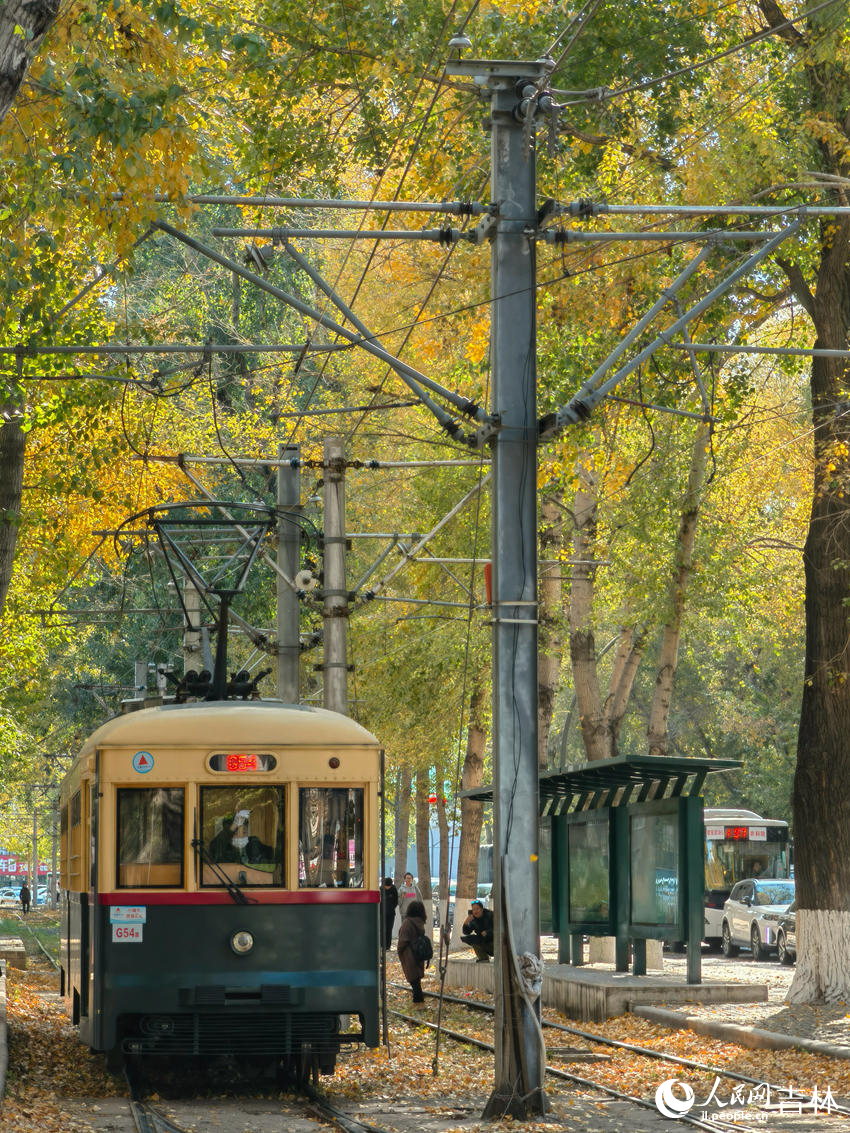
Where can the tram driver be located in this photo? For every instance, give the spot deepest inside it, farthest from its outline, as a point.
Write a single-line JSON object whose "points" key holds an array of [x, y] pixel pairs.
{"points": [[235, 842]]}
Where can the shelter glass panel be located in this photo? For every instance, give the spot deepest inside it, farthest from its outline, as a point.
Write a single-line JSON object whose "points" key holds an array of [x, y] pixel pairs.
{"points": [[150, 837], [330, 838], [655, 869], [242, 832], [589, 871]]}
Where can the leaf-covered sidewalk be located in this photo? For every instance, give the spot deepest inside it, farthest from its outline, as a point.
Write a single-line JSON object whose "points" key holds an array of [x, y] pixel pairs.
{"points": [[48, 1067]]}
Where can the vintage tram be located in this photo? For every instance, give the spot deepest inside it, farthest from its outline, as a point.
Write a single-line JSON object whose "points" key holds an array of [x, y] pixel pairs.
{"points": [[220, 884]]}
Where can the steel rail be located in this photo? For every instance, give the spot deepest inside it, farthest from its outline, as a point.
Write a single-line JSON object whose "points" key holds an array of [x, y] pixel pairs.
{"points": [[564, 1075], [31, 931], [344, 1120], [619, 1044]]}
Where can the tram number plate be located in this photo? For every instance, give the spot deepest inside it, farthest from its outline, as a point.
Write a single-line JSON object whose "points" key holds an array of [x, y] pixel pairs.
{"points": [[126, 933]]}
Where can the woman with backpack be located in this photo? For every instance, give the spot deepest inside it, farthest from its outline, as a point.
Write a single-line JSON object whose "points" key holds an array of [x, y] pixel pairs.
{"points": [[409, 950]]}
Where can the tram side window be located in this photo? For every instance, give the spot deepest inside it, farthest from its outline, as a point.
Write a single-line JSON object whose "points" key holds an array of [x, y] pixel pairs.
{"points": [[242, 829], [150, 837], [330, 838], [63, 846], [75, 860]]}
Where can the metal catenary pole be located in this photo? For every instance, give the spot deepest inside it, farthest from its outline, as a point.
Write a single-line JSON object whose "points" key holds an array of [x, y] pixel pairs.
{"points": [[289, 547], [335, 593], [519, 1065]]}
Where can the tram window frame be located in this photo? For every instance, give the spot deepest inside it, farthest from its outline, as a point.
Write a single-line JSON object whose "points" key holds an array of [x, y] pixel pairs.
{"points": [[75, 842], [326, 878], [167, 877], [242, 870]]}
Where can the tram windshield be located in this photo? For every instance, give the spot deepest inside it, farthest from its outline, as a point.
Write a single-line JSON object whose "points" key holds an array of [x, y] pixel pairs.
{"points": [[150, 837], [330, 838], [242, 831]]}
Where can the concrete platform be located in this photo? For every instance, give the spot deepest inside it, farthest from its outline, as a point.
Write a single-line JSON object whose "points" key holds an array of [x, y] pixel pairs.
{"points": [[13, 952], [595, 994]]}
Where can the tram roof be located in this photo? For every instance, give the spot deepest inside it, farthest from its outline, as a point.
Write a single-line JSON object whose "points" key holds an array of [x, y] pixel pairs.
{"points": [[231, 723]]}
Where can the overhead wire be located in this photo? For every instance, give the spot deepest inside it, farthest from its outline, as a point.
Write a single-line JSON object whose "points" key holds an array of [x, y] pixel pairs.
{"points": [[648, 84]]}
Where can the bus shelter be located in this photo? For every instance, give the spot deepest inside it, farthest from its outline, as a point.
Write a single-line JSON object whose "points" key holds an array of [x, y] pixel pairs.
{"points": [[628, 853]]}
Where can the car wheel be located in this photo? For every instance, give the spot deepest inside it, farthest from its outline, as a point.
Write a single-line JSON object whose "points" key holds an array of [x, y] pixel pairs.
{"points": [[756, 945], [726, 946], [782, 953]]}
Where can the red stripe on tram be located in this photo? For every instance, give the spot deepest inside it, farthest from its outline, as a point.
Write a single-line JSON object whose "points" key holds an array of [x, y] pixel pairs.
{"points": [[254, 896]]}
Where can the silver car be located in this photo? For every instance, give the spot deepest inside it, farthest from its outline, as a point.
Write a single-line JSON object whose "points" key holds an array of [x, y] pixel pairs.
{"points": [[752, 913]]}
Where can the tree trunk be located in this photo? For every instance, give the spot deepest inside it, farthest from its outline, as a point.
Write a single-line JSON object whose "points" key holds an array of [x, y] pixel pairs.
{"points": [[821, 795], [549, 625], [582, 641], [626, 664], [471, 812], [402, 821], [443, 827], [12, 448], [660, 711], [33, 18], [423, 844]]}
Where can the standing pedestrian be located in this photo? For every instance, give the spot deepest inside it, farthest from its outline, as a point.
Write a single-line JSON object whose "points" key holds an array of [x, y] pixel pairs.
{"points": [[25, 898], [408, 893], [389, 904], [412, 926]]}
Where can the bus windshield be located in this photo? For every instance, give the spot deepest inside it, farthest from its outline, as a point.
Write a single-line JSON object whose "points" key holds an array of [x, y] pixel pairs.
{"points": [[727, 862]]}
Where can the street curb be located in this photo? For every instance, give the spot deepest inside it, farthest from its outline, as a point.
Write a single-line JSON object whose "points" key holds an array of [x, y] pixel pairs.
{"points": [[4, 1047], [753, 1037]]}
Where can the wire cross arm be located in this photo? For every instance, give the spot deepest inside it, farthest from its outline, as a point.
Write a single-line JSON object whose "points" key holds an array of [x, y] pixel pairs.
{"points": [[469, 407], [413, 377], [447, 235], [597, 387]]}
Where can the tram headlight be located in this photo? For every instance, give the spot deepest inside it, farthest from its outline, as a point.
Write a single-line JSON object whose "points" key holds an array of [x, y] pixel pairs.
{"points": [[242, 942]]}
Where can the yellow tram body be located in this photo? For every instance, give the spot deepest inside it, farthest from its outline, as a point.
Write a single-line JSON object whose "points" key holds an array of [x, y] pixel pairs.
{"points": [[220, 877]]}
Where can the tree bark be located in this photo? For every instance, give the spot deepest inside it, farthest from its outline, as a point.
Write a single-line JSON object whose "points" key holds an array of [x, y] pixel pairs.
{"points": [[23, 25], [12, 448], [821, 795], [597, 740], [471, 812], [626, 664], [402, 821], [659, 714], [443, 828], [549, 625], [423, 845]]}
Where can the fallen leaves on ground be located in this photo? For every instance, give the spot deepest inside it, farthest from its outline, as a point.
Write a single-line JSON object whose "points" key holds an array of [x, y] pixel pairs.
{"points": [[48, 1063]]}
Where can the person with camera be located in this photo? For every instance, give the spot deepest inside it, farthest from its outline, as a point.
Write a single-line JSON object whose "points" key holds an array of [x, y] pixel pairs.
{"points": [[478, 932]]}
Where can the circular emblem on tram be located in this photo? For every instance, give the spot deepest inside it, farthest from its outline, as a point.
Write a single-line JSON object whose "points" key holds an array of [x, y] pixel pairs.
{"points": [[142, 762]]}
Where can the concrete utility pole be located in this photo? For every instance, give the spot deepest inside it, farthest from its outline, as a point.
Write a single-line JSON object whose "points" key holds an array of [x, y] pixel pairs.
{"points": [[518, 1086], [288, 556], [192, 647], [33, 880], [335, 592]]}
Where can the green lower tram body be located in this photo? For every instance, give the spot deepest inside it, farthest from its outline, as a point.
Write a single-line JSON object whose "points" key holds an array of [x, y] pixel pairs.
{"points": [[173, 985]]}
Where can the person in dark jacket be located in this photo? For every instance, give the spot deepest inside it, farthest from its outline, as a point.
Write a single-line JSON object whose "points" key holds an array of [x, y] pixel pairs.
{"points": [[389, 904], [25, 896], [412, 926], [478, 932]]}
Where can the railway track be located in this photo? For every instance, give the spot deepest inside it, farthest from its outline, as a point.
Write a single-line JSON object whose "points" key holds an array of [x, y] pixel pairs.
{"points": [[34, 936], [589, 1036], [148, 1118]]}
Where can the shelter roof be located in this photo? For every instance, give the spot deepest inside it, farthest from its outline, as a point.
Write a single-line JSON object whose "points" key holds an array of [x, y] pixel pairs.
{"points": [[619, 781]]}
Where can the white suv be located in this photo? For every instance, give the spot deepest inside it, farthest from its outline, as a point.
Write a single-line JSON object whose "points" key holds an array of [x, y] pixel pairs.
{"points": [[752, 913]]}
